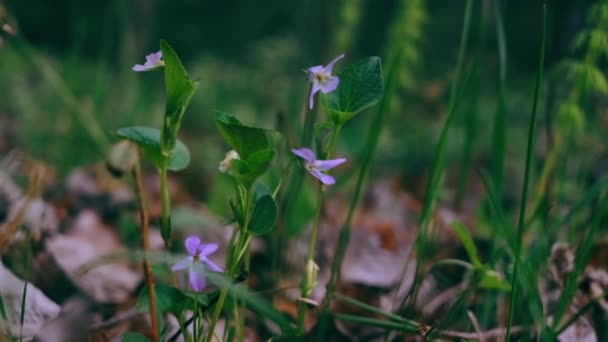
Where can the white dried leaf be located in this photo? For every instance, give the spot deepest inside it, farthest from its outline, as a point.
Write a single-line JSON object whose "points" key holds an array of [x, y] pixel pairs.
{"points": [[38, 308], [109, 283]]}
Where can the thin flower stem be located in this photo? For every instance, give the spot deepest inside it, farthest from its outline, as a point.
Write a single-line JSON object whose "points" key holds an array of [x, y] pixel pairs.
{"points": [[236, 249], [344, 236], [304, 286], [143, 218], [524, 195], [165, 220]]}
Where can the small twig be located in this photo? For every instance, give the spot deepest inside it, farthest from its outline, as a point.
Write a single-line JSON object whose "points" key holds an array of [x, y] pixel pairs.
{"points": [[444, 297], [475, 324], [143, 217]]}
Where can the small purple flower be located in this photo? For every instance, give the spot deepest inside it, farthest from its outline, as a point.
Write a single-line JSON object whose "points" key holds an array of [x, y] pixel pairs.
{"points": [[153, 61], [321, 79], [196, 262], [315, 167]]}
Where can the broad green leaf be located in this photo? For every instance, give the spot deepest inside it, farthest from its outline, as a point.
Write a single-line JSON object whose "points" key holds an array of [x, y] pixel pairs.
{"points": [[243, 139], [148, 140], [464, 237], [133, 337], [264, 215], [361, 86], [179, 90], [248, 170]]}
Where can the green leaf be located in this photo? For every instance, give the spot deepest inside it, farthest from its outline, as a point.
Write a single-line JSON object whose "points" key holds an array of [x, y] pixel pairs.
{"points": [[179, 90], [463, 235], [133, 337], [361, 86], [491, 280], [248, 170], [148, 140], [243, 139], [264, 215]]}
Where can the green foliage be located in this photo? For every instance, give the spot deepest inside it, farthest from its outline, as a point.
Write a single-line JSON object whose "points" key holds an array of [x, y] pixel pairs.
{"points": [[179, 90], [148, 140], [361, 86], [264, 215], [249, 169], [489, 279], [570, 117], [463, 235], [243, 139]]}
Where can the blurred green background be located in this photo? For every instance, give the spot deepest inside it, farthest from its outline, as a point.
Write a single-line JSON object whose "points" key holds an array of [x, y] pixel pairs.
{"points": [[66, 82]]}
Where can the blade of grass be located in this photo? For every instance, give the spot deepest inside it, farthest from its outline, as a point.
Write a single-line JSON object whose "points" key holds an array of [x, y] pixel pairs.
{"points": [[472, 110], [499, 129], [439, 155], [527, 168], [374, 309], [28, 261]]}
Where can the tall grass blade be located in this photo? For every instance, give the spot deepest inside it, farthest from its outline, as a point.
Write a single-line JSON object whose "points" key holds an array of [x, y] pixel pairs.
{"points": [[527, 168]]}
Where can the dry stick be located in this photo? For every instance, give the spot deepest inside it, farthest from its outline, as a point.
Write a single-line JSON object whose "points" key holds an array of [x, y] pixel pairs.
{"points": [[143, 217], [476, 325]]}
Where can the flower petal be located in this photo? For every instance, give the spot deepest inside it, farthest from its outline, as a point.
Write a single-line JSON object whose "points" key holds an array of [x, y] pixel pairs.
{"points": [[196, 278], [325, 179], [210, 265], [313, 70], [304, 153], [330, 85], [315, 88], [182, 264], [330, 66], [207, 248], [139, 67], [192, 244], [153, 61], [324, 165]]}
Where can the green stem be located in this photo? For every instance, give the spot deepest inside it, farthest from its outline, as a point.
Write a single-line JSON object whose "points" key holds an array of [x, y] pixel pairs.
{"points": [[305, 287], [344, 236], [528, 166], [165, 200], [237, 248]]}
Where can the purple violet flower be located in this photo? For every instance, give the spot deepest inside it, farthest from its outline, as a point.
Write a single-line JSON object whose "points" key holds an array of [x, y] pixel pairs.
{"points": [[196, 262], [321, 79], [153, 61], [315, 167]]}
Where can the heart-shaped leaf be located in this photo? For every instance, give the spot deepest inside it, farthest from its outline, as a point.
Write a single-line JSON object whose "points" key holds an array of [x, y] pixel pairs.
{"points": [[248, 170], [264, 215], [148, 140], [243, 139], [361, 86], [179, 90]]}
